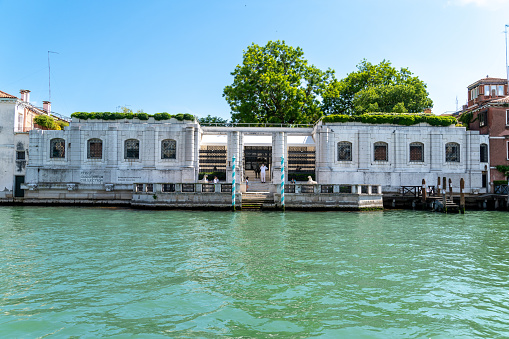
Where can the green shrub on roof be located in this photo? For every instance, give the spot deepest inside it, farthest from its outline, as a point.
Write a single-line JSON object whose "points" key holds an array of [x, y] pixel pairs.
{"points": [[395, 119], [129, 115]]}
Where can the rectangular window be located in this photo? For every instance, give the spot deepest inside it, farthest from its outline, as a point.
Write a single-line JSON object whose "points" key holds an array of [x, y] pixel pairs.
{"points": [[507, 117], [507, 152], [187, 188], [486, 90], [500, 90], [20, 155], [168, 188], [380, 151], [483, 119], [484, 179], [327, 188], [150, 187], [344, 151], [452, 152], [95, 149], [483, 153], [416, 152], [139, 187]]}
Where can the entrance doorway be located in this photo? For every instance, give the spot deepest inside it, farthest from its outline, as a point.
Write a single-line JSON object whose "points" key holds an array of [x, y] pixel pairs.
{"points": [[18, 180], [254, 157]]}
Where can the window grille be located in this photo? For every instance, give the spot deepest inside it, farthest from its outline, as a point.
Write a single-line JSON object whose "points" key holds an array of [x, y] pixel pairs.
{"points": [[150, 188], [344, 151], [20, 155], [132, 149], [188, 188], [327, 189], [139, 187], [208, 188], [416, 152], [168, 188], [301, 162], [345, 189], [289, 188], [307, 189], [168, 149], [226, 188], [212, 159], [452, 152], [380, 151], [57, 148], [95, 149]]}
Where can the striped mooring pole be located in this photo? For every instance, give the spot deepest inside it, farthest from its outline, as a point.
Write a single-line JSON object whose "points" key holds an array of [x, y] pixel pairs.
{"points": [[233, 183], [283, 183]]}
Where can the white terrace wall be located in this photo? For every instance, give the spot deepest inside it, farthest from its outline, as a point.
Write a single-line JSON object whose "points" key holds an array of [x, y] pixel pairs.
{"points": [[112, 168], [398, 170]]}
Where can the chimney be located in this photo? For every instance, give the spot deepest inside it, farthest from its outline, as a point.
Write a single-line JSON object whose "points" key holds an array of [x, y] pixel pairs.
{"points": [[46, 105], [22, 94]]}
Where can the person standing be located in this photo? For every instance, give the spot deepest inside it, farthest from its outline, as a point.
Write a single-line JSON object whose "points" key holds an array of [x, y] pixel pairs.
{"points": [[262, 172], [247, 183]]}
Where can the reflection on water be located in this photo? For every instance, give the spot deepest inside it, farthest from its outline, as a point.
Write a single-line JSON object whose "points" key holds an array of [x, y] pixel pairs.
{"points": [[102, 272]]}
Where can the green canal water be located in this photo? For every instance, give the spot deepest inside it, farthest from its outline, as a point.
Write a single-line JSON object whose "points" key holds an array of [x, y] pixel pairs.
{"points": [[120, 273]]}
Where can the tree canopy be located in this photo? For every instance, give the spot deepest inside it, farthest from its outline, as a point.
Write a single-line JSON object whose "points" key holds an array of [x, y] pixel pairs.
{"points": [[275, 84], [376, 88], [212, 120]]}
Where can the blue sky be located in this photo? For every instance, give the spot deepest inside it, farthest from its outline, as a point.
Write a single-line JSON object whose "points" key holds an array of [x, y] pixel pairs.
{"points": [[177, 56]]}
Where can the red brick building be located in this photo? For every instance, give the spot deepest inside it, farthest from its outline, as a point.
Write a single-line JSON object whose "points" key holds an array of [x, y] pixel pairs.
{"points": [[488, 102]]}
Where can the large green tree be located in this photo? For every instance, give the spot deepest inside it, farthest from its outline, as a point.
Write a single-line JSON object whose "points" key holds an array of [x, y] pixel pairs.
{"points": [[275, 84], [376, 88]]}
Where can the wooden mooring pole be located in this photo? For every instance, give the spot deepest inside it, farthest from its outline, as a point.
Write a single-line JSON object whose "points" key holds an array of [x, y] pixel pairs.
{"points": [[423, 191], [438, 186], [444, 198], [450, 189], [462, 196]]}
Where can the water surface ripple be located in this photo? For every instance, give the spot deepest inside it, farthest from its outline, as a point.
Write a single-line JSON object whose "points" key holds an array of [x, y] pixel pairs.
{"points": [[106, 272]]}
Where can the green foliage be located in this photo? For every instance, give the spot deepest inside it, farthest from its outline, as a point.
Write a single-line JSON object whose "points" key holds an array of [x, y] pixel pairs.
{"points": [[162, 116], [62, 124], [211, 175], [130, 115], [499, 182], [275, 84], [376, 88], [46, 121], [141, 116], [466, 119], [396, 119], [212, 120], [503, 169]]}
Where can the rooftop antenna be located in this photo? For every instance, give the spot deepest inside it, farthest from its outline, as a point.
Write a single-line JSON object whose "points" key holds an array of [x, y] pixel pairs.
{"points": [[49, 75]]}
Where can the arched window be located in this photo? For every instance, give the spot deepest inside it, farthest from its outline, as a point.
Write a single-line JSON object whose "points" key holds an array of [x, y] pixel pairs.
{"points": [[57, 148], [452, 152], [483, 153], [94, 149], [417, 152], [380, 151], [168, 149], [132, 149]]}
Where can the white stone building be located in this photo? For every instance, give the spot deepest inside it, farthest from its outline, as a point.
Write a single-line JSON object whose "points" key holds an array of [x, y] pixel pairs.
{"points": [[16, 120]]}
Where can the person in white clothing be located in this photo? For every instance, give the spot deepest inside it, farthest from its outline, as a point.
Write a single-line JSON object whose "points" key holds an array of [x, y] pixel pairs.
{"points": [[262, 172]]}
